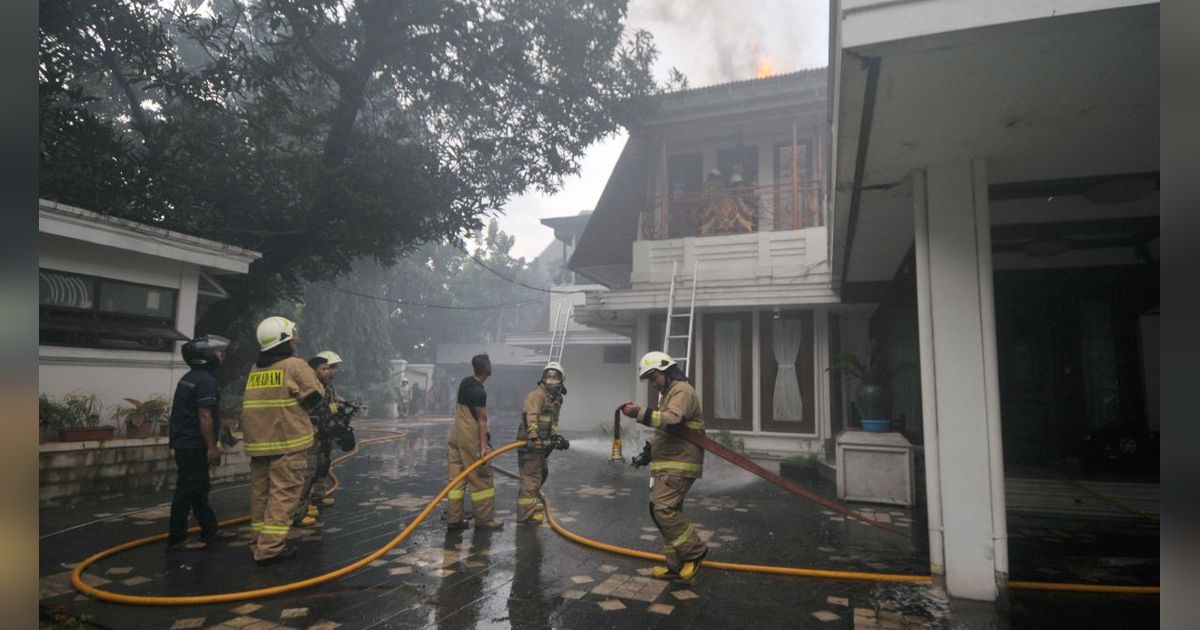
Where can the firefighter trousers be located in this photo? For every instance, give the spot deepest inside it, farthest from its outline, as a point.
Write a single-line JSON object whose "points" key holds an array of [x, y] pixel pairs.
{"points": [[681, 543], [312, 461], [275, 485], [533, 474], [480, 486]]}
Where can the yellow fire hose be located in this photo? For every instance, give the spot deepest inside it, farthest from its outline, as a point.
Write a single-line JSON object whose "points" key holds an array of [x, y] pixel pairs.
{"points": [[144, 600], [217, 598]]}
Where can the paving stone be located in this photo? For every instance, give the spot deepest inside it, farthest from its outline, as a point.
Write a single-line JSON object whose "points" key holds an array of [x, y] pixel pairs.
{"points": [[400, 570], [864, 612], [660, 609], [825, 615], [684, 595], [582, 579], [648, 537], [186, 624], [118, 570], [325, 625], [293, 613], [612, 605], [377, 563], [608, 568], [246, 609], [135, 581], [838, 601], [574, 594], [242, 622]]}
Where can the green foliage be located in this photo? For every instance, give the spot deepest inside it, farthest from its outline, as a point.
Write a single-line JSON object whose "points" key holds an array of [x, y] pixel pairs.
{"points": [[807, 460], [728, 440], [155, 411], [72, 411], [318, 132], [873, 370]]}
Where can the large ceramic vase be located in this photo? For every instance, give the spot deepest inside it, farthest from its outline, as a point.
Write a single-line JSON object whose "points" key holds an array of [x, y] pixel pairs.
{"points": [[874, 403]]}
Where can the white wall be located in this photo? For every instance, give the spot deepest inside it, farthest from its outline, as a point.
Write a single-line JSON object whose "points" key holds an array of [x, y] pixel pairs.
{"points": [[594, 388], [116, 374]]}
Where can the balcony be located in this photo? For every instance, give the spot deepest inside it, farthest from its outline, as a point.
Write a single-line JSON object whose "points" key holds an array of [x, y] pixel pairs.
{"points": [[729, 210], [753, 244]]}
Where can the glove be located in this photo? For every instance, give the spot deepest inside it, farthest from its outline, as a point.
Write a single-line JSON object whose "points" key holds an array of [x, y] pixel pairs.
{"points": [[643, 459]]}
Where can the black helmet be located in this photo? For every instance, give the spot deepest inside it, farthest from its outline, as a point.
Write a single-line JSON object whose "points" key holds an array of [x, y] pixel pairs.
{"points": [[202, 351]]}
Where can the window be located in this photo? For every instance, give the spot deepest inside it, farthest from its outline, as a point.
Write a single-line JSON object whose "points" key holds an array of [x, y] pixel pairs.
{"points": [[802, 210], [741, 161], [92, 312], [617, 354], [728, 371], [786, 356], [683, 201]]}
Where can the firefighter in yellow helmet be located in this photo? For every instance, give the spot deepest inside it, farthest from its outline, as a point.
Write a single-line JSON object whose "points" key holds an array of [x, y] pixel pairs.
{"points": [[280, 391], [675, 463], [539, 427]]}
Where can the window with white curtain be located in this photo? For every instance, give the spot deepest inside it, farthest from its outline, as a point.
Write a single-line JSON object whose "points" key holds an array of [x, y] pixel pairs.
{"points": [[727, 386], [787, 401]]}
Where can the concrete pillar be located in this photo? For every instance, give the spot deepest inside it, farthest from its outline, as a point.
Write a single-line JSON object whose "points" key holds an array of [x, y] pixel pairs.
{"points": [[959, 378]]}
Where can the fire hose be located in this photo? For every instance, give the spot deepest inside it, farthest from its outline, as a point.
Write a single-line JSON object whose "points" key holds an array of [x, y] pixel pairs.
{"points": [[741, 461]]}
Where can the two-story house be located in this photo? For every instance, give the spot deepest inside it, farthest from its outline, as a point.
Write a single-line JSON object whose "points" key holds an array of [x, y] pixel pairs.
{"points": [[722, 185]]}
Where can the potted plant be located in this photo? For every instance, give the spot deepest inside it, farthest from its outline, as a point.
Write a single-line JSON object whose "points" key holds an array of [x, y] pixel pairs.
{"points": [[803, 468], [146, 418], [74, 418], [873, 395]]}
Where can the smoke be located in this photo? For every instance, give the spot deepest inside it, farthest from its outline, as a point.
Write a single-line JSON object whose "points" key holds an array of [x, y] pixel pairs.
{"points": [[715, 41]]}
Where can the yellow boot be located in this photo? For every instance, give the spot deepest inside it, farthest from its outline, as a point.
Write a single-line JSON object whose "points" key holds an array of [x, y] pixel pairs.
{"points": [[688, 570], [327, 501], [308, 521], [663, 573], [313, 510]]}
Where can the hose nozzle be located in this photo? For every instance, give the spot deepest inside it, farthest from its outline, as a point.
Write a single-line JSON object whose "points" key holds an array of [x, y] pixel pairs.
{"points": [[617, 456]]}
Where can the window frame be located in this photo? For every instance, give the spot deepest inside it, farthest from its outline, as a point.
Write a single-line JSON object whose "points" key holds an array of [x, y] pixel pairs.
{"points": [[115, 326], [805, 373], [746, 421]]}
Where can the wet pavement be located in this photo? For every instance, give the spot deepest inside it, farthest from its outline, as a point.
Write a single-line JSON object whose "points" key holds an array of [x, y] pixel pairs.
{"points": [[527, 576]]}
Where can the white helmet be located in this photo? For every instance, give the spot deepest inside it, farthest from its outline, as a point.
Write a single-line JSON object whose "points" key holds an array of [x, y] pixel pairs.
{"points": [[331, 357], [275, 330], [556, 366], [654, 361]]}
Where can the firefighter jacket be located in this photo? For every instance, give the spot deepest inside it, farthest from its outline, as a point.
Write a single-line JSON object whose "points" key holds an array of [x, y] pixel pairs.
{"points": [[274, 422], [679, 406], [465, 432], [539, 417]]}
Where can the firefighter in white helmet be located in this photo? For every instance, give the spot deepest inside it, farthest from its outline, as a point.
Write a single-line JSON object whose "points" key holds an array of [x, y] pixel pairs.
{"points": [[280, 391], [326, 365], [539, 428], [675, 463]]}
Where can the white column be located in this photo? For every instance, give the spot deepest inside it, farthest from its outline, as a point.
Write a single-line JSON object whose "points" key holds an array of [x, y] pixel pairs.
{"points": [[960, 398]]}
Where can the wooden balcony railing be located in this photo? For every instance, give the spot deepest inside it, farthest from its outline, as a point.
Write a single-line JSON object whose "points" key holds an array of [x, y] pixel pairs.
{"points": [[733, 210]]}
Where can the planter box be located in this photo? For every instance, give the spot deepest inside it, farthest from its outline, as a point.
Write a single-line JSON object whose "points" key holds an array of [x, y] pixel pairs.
{"points": [[875, 468], [799, 473], [82, 434]]}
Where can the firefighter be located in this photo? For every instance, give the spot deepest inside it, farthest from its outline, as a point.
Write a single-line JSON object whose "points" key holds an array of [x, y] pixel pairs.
{"points": [[325, 364], [539, 423], [469, 442], [280, 391], [675, 463]]}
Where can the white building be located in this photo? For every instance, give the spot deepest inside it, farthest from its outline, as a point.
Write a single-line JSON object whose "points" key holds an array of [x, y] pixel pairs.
{"points": [[727, 181], [995, 168], [117, 299], [598, 363]]}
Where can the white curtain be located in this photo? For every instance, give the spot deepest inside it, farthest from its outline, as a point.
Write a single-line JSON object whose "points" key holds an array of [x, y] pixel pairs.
{"points": [[787, 403], [727, 362]]}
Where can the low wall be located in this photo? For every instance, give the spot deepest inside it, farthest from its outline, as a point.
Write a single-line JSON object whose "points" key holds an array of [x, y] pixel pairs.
{"points": [[77, 472]]}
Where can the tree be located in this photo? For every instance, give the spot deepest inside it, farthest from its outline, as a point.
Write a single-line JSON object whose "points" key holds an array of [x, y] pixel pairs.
{"points": [[323, 131]]}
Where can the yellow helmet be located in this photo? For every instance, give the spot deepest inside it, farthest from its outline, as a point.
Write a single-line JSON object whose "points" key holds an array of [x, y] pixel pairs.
{"points": [[556, 366], [331, 357], [654, 362], [275, 330]]}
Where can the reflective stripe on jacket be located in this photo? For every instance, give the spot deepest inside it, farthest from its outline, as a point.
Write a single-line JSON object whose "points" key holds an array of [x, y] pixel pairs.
{"points": [[672, 454], [274, 422]]}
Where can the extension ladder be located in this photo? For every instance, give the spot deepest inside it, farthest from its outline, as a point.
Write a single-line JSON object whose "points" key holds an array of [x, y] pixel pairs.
{"points": [[686, 338]]}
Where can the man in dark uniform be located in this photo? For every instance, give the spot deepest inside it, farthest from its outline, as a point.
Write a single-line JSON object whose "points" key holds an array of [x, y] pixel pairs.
{"points": [[469, 442], [195, 414]]}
